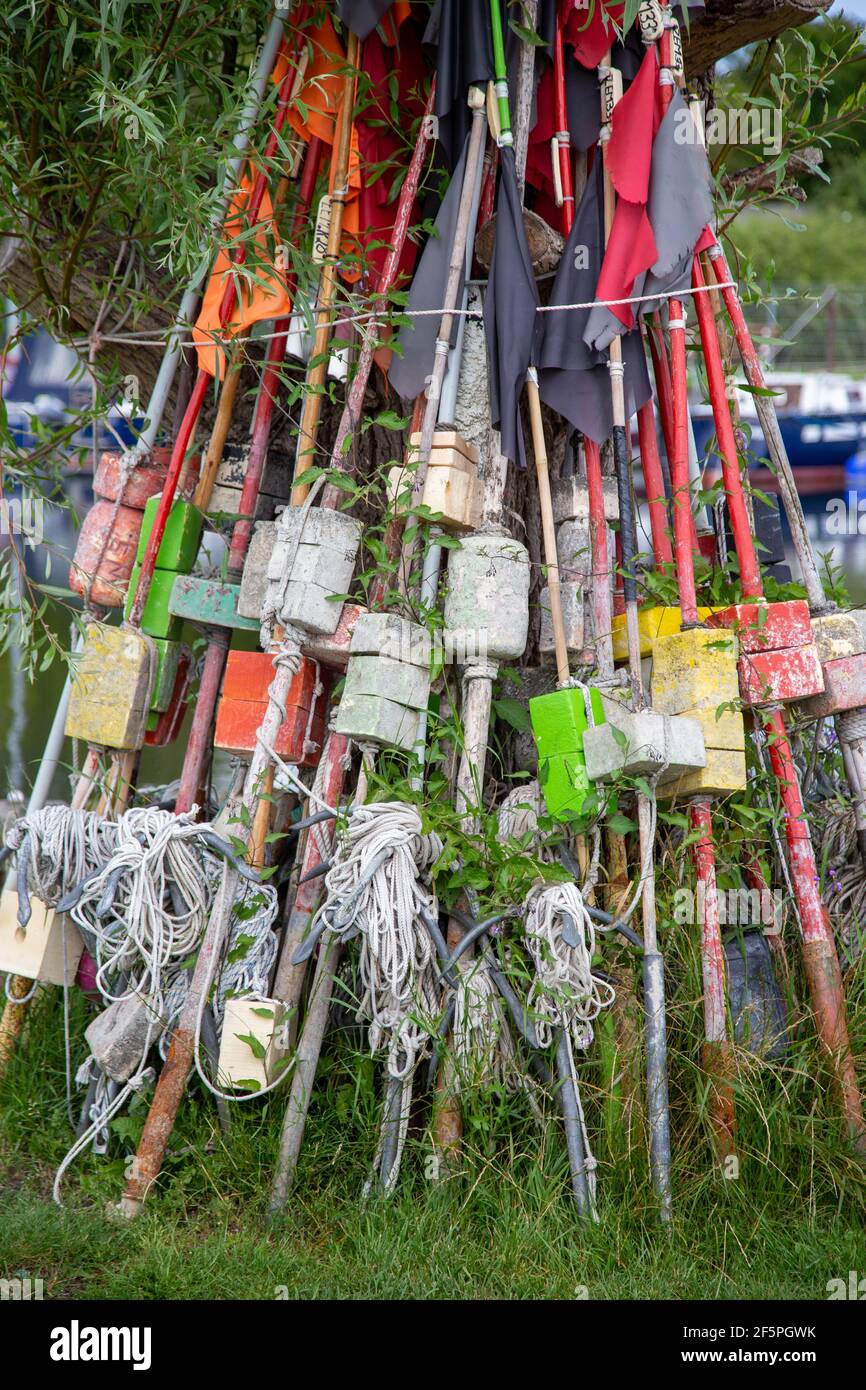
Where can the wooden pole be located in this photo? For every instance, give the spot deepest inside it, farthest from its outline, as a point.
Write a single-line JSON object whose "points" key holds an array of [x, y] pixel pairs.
{"points": [[328, 282], [310, 1045], [654, 1005]]}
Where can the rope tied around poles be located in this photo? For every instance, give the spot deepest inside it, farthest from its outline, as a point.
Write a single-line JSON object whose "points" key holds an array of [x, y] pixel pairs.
{"points": [[376, 887], [484, 1049]]}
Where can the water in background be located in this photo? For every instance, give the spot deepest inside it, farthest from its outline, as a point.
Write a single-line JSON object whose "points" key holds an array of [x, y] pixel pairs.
{"points": [[26, 710]]}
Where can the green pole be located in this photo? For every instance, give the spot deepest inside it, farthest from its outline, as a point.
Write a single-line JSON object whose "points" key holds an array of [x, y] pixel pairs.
{"points": [[501, 74]]}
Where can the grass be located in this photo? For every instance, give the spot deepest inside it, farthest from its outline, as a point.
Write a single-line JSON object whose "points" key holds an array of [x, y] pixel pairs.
{"points": [[502, 1227]]}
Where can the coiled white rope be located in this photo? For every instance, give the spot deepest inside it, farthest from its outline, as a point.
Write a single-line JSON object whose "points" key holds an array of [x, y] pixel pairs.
{"points": [[484, 1050], [377, 886], [517, 818], [152, 881], [565, 995], [565, 992]]}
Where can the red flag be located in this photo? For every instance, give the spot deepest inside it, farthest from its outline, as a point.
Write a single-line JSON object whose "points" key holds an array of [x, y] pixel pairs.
{"points": [[707, 241], [632, 246], [635, 122], [382, 144], [592, 37], [539, 170]]}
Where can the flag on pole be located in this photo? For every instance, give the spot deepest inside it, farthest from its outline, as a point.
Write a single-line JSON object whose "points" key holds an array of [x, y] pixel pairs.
{"points": [[573, 375], [395, 79], [592, 35], [416, 341], [362, 16], [679, 205], [510, 312], [460, 31], [261, 289], [631, 248]]}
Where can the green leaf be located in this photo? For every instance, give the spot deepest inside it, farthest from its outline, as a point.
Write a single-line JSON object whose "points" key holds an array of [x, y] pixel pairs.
{"points": [[257, 1048], [514, 713], [389, 420]]}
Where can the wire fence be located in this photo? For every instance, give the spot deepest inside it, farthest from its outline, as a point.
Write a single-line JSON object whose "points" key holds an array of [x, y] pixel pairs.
{"points": [[824, 330]]}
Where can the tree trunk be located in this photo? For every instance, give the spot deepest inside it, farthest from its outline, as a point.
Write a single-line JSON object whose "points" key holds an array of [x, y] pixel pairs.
{"points": [[727, 25]]}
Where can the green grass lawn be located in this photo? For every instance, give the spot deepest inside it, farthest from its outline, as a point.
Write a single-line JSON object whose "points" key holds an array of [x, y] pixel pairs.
{"points": [[502, 1227]]}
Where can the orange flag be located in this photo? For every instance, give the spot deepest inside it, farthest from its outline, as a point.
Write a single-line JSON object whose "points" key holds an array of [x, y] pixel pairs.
{"points": [[261, 297], [316, 111]]}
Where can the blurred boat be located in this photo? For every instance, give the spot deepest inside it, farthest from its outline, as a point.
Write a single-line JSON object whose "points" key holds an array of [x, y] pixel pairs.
{"points": [[822, 416]]}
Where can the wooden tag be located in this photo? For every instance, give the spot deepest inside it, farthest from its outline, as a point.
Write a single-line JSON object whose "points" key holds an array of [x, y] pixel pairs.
{"points": [[323, 230]]}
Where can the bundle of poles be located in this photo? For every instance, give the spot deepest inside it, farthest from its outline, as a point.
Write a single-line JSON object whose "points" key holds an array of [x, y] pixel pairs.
{"points": [[305, 830]]}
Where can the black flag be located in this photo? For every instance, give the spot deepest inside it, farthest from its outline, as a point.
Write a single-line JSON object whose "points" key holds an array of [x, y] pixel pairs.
{"points": [[573, 377], [416, 342], [509, 312], [460, 29], [362, 16]]}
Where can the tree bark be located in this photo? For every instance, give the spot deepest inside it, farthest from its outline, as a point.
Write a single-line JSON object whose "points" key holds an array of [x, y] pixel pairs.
{"points": [[726, 25]]}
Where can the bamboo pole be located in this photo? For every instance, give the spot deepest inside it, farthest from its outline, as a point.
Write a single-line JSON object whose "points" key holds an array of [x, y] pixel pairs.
{"points": [[328, 280]]}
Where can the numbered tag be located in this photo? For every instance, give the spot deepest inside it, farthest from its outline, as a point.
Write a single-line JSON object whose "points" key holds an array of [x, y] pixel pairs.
{"points": [[678, 65], [611, 91], [322, 233], [649, 18]]}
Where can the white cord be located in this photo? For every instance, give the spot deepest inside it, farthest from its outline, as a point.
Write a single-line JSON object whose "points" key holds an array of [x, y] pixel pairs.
{"points": [[376, 887]]}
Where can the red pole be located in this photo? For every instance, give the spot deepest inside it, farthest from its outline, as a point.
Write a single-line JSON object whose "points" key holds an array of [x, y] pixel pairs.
{"points": [[563, 137], [685, 539], [602, 601], [671, 377], [261, 431], [198, 748], [662, 374], [715, 1054], [387, 280], [819, 948], [744, 542], [654, 483]]}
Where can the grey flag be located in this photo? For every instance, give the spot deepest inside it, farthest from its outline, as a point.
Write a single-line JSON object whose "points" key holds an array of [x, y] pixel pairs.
{"points": [[680, 206], [416, 342], [362, 16]]}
